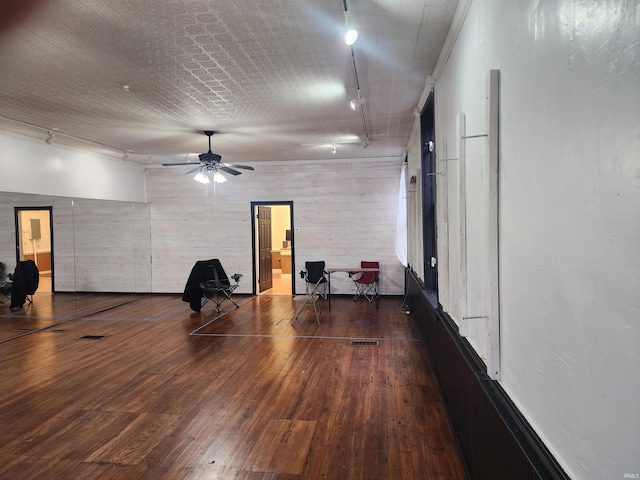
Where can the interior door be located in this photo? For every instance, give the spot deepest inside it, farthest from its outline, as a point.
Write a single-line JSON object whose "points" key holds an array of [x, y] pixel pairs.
{"points": [[34, 241], [265, 279]]}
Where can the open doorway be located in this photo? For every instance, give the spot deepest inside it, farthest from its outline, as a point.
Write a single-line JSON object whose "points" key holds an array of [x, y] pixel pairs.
{"points": [[34, 241], [273, 248]]}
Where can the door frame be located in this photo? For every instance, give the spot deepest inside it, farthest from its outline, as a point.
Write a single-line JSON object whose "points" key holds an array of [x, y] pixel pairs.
{"points": [[254, 226], [18, 236]]}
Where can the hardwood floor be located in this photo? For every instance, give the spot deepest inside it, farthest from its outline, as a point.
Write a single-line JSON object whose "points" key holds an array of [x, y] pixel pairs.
{"points": [[281, 284], [158, 391]]}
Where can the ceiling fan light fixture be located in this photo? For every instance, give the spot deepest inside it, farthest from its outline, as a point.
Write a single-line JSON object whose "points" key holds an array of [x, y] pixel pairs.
{"points": [[211, 166], [219, 178], [202, 177]]}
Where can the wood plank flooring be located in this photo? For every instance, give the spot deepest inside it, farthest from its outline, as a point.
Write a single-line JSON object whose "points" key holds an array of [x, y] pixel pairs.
{"points": [[160, 392]]}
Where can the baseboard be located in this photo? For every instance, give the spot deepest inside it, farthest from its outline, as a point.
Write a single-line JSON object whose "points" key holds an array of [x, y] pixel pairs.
{"points": [[495, 440]]}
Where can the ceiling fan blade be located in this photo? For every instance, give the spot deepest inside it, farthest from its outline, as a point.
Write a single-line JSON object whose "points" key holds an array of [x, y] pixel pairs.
{"points": [[229, 170], [235, 165], [175, 164]]}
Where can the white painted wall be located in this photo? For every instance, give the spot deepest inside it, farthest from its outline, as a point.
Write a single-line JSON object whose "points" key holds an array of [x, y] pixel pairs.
{"points": [[569, 218], [30, 167]]}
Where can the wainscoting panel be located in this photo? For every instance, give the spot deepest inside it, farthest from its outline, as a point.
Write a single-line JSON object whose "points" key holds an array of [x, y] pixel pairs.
{"points": [[495, 440]]}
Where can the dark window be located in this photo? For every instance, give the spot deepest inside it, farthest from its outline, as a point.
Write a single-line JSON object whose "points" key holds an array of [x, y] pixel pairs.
{"points": [[427, 130]]}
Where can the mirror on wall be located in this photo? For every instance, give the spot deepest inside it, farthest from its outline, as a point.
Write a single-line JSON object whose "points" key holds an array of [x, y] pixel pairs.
{"points": [[93, 254]]}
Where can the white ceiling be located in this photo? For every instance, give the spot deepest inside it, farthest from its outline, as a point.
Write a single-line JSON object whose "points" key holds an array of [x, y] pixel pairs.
{"points": [[273, 77]]}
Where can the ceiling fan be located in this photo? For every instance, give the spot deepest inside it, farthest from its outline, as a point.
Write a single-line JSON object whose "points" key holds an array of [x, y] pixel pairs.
{"points": [[211, 165]]}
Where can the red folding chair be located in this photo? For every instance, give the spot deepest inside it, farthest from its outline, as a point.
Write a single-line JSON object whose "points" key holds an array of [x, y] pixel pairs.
{"points": [[367, 282]]}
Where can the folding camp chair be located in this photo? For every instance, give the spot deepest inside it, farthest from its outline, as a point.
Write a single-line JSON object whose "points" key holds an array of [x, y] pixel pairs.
{"points": [[367, 282], [22, 285], [312, 295], [5, 291], [208, 281], [5, 286], [218, 289], [314, 276]]}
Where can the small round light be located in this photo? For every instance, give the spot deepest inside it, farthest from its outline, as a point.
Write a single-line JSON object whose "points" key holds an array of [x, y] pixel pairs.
{"points": [[351, 36]]}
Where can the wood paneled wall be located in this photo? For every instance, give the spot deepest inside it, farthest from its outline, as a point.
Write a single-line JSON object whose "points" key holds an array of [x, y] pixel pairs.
{"points": [[345, 212]]}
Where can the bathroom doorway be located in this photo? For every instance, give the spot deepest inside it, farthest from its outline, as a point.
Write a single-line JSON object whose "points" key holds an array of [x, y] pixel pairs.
{"points": [[273, 248]]}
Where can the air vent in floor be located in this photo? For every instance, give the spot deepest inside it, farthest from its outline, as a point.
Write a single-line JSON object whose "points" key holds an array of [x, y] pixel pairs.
{"points": [[364, 343], [92, 337]]}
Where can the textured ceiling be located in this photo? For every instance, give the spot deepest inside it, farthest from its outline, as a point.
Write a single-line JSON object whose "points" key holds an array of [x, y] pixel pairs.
{"points": [[272, 77]]}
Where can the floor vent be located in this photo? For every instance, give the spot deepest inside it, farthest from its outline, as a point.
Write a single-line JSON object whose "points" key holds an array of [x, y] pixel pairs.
{"points": [[364, 343], [92, 337]]}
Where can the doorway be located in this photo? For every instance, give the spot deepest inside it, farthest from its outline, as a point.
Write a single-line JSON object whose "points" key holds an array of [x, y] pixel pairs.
{"points": [[273, 248], [34, 241]]}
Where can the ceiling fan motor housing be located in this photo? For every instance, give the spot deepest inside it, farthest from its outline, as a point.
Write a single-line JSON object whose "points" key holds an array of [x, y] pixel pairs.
{"points": [[209, 157]]}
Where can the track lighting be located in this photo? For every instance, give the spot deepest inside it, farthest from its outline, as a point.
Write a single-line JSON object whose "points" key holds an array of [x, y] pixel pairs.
{"points": [[357, 102], [49, 140], [351, 34]]}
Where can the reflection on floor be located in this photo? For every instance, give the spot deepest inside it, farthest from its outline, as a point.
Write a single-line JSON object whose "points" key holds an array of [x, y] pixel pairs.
{"points": [[281, 284], [44, 284]]}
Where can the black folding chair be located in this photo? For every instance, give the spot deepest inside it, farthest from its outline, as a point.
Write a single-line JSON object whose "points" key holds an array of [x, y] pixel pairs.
{"points": [[5, 291], [209, 282], [312, 296], [23, 284], [314, 276], [218, 290]]}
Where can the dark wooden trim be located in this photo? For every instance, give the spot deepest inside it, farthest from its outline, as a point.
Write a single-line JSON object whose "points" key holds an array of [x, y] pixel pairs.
{"points": [[495, 440]]}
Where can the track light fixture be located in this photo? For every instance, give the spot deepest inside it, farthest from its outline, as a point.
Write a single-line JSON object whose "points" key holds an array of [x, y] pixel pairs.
{"points": [[351, 34], [49, 140], [357, 102]]}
